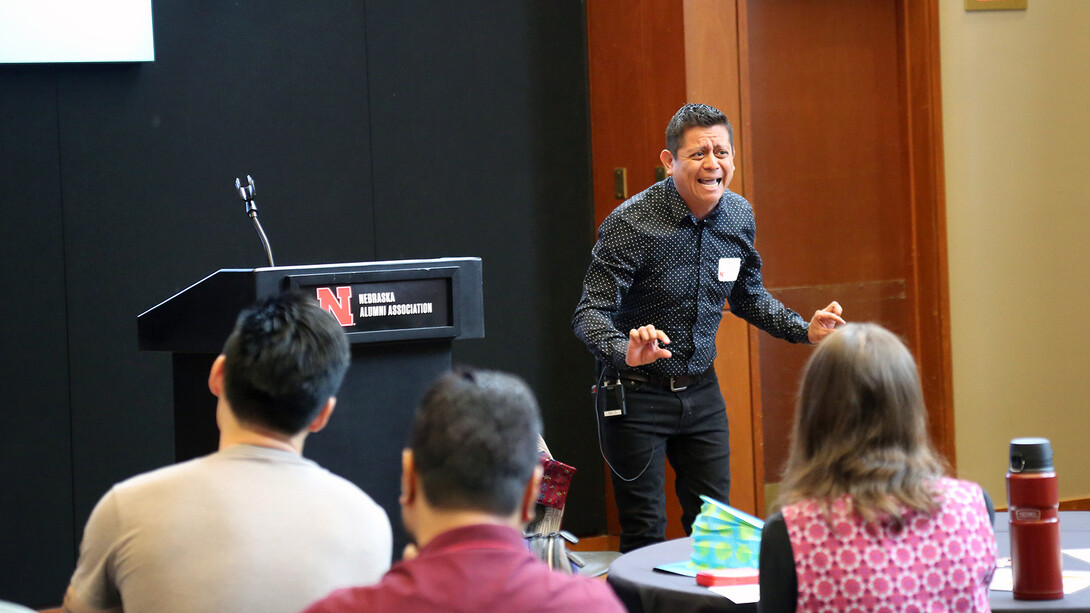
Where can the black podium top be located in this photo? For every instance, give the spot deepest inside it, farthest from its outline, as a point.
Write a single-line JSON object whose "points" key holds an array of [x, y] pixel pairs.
{"points": [[376, 302]]}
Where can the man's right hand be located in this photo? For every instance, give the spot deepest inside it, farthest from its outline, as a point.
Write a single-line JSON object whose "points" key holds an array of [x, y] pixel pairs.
{"points": [[643, 346]]}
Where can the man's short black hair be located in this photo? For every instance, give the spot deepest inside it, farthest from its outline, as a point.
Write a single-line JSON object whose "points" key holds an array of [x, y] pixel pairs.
{"points": [[693, 116], [285, 358], [474, 441]]}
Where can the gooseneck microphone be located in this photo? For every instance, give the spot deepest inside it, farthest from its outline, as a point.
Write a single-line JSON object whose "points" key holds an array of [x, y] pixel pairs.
{"points": [[246, 192]]}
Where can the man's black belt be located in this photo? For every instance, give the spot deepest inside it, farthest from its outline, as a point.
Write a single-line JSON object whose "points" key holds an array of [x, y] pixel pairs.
{"points": [[674, 384]]}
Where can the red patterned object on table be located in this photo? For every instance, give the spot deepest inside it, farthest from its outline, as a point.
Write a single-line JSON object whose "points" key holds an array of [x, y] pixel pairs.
{"points": [[555, 482]]}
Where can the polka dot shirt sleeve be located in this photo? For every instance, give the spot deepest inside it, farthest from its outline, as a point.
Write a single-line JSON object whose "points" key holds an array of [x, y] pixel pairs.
{"points": [[614, 262]]}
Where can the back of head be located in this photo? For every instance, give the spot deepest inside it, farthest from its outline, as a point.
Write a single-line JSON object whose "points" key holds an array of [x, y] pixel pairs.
{"points": [[861, 427], [285, 358], [694, 116], [474, 442]]}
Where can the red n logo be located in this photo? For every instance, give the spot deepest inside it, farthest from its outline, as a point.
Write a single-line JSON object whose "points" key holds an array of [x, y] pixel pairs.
{"points": [[340, 305]]}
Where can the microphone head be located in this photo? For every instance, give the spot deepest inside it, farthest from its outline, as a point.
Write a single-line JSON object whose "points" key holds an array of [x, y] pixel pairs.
{"points": [[247, 192]]}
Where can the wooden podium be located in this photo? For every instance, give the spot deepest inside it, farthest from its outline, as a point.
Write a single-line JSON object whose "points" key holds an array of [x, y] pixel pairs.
{"points": [[400, 317]]}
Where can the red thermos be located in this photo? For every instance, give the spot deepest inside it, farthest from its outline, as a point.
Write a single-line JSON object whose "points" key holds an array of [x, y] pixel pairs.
{"points": [[1034, 501]]}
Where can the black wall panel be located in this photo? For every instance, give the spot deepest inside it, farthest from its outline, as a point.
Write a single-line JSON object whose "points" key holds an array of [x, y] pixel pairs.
{"points": [[481, 148], [149, 155], [36, 525], [374, 130]]}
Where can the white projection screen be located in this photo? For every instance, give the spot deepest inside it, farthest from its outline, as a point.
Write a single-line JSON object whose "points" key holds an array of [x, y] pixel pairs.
{"points": [[58, 31]]}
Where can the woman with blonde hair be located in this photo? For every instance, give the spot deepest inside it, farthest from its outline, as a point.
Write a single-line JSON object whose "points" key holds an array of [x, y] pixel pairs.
{"points": [[867, 519]]}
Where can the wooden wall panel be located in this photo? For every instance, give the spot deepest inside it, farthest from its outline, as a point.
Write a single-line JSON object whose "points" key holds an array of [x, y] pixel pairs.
{"points": [[636, 69], [828, 159], [713, 69], [829, 150], [782, 363], [846, 159], [636, 63]]}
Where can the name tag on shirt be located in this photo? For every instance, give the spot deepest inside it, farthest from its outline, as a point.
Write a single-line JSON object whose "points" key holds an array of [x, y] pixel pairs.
{"points": [[728, 268]]}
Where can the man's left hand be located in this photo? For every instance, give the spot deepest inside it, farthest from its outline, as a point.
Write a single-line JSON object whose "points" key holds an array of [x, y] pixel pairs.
{"points": [[825, 321]]}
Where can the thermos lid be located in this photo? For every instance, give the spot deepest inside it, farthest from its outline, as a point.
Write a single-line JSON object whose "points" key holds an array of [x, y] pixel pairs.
{"points": [[1030, 455]]}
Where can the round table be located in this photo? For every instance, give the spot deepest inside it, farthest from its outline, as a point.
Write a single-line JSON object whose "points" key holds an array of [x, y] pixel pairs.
{"points": [[645, 590]]}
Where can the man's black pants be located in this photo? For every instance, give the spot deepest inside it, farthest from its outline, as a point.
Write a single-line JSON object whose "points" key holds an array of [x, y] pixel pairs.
{"points": [[689, 428]]}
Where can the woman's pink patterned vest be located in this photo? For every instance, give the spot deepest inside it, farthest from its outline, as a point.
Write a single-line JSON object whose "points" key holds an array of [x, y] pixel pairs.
{"points": [[938, 563]]}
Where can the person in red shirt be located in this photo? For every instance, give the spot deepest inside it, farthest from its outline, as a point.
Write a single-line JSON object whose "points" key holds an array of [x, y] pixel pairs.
{"points": [[469, 482]]}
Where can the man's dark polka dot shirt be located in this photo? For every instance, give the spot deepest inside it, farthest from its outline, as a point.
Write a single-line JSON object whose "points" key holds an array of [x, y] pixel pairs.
{"points": [[655, 263]]}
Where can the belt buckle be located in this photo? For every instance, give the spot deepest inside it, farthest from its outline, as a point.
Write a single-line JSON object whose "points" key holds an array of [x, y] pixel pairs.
{"points": [[677, 389]]}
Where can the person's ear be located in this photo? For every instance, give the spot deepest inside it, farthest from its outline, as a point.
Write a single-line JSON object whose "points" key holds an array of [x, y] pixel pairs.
{"points": [[530, 494], [408, 478], [667, 160], [215, 376], [322, 419]]}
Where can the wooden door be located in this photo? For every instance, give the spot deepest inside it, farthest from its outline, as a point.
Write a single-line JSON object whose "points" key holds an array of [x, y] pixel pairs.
{"points": [[843, 167], [844, 159]]}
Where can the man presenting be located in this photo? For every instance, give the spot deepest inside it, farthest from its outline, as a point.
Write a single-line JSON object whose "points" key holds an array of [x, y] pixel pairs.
{"points": [[254, 526], [665, 262]]}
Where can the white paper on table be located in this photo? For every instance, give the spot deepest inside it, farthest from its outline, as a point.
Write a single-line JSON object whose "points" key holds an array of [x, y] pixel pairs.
{"points": [[1074, 580], [1002, 580], [1079, 554], [739, 594]]}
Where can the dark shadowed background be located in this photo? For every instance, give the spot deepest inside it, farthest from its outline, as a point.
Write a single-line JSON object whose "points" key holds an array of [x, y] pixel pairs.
{"points": [[374, 131]]}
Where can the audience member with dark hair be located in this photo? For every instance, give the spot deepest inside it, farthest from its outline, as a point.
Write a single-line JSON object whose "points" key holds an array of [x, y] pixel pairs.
{"points": [[469, 483], [867, 519], [254, 526]]}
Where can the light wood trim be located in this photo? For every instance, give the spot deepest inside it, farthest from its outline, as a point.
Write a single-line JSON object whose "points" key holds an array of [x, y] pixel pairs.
{"points": [[1075, 504], [744, 128], [760, 502], [603, 542], [931, 294], [733, 350], [714, 67]]}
